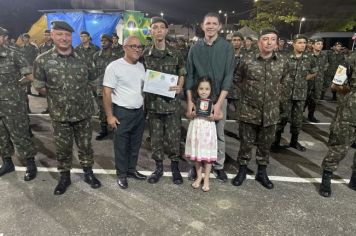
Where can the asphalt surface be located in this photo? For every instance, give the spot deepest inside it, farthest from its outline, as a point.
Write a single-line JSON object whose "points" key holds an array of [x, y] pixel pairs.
{"points": [[293, 207]]}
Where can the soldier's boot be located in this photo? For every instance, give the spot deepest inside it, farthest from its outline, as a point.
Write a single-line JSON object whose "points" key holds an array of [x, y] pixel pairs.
{"points": [[103, 133], [325, 186], [241, 176], [352, 183], [322, 95], [353, 145], [334, 96], [262, 177], [192, 174], [176, 176], [277, 140], [312, 118], [7, 166], [295, 144], [63, 183], [157, 174], [31, 169], [90, 178]]}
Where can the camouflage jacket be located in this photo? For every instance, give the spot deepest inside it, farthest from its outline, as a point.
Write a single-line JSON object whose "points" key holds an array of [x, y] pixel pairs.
{"points": [[101, 60], [295, 85], [334, 60], [87, 53], [67, 80], [260, 80], [12, 66], [167, 61], [234, 90], [45, 47], [30, 52]]}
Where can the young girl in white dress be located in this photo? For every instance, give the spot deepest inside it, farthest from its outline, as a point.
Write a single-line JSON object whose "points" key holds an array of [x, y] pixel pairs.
{"points": [[201, 143]]}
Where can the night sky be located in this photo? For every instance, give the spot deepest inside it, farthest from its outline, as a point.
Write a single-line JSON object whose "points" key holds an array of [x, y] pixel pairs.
{"points": [[18, 15]]}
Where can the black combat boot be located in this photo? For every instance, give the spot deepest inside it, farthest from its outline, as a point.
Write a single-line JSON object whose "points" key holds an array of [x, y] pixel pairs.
{"points": [[240, 177], [295, 144], [334, 96], [192, 174], [352, 183], [325, 186], [103, 133], [312, 118], [7, 166], [262, 177], [31, 169], [277, 140], [63, 183], [157, 174], [176, 176], [353, 145], [90, 178]]}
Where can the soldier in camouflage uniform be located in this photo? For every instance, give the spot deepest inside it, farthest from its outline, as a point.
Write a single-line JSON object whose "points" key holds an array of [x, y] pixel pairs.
{"points": [[14, 124], [335, 58], [101, 59], [30, 51], [342, 131], [48, 43], [315, 86], [64, 76], [86, 48], [163, 112], [259, 76], [116, 46], [301, 68]]}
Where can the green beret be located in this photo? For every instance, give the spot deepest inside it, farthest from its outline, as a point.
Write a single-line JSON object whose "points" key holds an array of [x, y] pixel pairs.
{"points": [[26, 35], [249, 38], [61, 25], [300, 36], [84, 32], [3, 31], [47, 31], [106, 36], [238, 34], [157, 19], [315, 40], [267, 31]]}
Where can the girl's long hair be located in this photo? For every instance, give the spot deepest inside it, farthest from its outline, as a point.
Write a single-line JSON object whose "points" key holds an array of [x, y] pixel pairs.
{"points": [[195, 91]]}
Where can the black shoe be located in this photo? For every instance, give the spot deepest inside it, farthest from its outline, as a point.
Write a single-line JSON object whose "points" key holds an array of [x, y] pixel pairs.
{"points": [[176, 176], [103, 133], [313, 119], [7, 166], [262, 177], [63, 183], [241, 176], [31, 170], [353, 145], [136, 175], [325, 186], [90, 179], [192, 174], [157, 174], [122, 182], [297, 146], [352, 183], [277, 147], [220, 175]]}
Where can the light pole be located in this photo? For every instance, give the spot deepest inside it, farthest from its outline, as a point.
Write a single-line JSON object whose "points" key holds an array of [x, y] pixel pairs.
{"points": [[225, 19], [162, 14], [300, 24]]}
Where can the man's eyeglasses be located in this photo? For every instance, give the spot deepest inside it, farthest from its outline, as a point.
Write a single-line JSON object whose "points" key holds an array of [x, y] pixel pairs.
{"points": [[135, 47]]}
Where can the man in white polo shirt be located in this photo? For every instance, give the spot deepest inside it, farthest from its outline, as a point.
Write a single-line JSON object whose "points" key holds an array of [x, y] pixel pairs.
{"points": [[123, 104]]}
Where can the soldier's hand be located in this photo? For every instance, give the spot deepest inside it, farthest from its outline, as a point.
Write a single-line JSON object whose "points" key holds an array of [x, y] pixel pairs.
{"points": [[113, 122], [176, 88]]}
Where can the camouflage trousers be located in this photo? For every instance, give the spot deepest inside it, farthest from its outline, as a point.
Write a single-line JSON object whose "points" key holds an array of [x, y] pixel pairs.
{"points": [[102, 115], [291, 110], [64, 133], [14, 131], [165, 131], [327, 82], [313, 94], [262, 137], [342, 135]]}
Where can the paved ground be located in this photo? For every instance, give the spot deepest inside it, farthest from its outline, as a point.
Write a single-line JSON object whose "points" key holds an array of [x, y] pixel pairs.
{"points": [[292, 208]]}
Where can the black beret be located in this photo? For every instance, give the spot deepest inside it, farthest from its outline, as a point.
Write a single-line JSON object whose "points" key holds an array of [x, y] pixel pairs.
{"points": [[338, 43], [300, 36], [47, 31], [26, 35], [158, 19], [3, 31], [248, 37], [267, 31], [238, 34], [106, 36], [115, 35], [61, 25], [317, 40], [84, 32]]}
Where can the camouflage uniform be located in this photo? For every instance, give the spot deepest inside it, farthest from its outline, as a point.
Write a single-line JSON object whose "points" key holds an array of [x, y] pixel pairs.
{"points": [[101, 60], [163, 112], [118, 49], [259, 80], [334, 59], [14, 126], [343, 128], [45, 47], [87, 53], [70, 103], [30, 52], [294, 92]]}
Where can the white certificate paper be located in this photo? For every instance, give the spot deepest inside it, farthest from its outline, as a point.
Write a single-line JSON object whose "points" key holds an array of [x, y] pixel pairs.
{"points": [[158, 83], [340, 75]]}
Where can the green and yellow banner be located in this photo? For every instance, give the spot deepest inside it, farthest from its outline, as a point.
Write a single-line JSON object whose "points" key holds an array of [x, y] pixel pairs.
{"points": [[136, 24]]}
